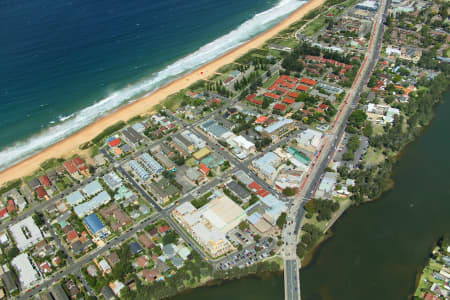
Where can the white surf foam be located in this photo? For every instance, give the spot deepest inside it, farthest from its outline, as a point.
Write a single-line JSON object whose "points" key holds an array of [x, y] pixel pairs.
{"points": [[70, 124]]}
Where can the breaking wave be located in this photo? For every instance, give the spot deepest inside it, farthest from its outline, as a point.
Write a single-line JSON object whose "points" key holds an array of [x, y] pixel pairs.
{"points": [[67, 125]]}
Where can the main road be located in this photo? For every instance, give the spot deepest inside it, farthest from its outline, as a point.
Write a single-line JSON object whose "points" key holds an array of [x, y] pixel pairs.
{"points": [[295, 216]]}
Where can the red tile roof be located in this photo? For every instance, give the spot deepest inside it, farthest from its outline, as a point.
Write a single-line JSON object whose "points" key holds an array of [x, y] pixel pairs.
{"points": [[294, 94], [288, 100], [263, 193], [261, 119], [72, 235], [302, 87], [41, 193], [429, 296], [288, 84], [3, 212], [254, 186], [323, 106], [279, 106], [78, 161], [163, 229], [70, 167], [259, 102], [272, 95], [251, 97], [204, 168], [114, 143], [11, 206], [44, 180], [308, 81]]}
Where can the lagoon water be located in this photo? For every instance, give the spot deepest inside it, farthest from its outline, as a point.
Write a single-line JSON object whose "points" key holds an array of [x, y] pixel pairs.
{"points": [[377, 248], [64, 63]]}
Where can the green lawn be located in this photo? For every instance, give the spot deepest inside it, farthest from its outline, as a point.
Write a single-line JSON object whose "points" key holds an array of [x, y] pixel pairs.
{"points": [[173, 101], [314, 27], [373, 157], [270, 81]]}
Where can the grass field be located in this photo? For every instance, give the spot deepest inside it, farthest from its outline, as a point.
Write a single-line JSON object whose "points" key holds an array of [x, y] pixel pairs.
{"points": [[270, 81], [373, 157], [314, 27]]}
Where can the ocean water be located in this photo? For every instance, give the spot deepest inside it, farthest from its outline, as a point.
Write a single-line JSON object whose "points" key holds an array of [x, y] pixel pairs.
{"points": [[65, 63]]}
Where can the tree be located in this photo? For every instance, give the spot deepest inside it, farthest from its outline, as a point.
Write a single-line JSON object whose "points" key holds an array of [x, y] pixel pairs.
{"points": [[288, 192], [243, 225], [357, 118], [281, 221], [170, 237], [257, 237]]}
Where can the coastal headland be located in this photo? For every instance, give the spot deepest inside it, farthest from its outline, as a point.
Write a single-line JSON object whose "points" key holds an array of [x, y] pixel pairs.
{"points": [[69, 145]]}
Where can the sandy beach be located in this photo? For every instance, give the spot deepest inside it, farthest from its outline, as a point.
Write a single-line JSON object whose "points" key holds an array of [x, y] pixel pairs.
{"points": [[69, 146]]}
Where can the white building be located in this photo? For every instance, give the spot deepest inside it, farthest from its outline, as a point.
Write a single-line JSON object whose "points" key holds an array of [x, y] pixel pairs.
{"points": [[26, 233], [112, 180], [310, 138], [393, 51], [195, 140], [26, 270]]}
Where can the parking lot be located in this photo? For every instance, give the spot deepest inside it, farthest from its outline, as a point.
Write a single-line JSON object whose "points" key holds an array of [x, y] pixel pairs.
{"points": [[248, 256]]}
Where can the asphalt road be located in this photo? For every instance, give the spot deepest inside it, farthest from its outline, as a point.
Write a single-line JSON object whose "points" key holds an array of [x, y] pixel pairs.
{"points": [[291, 278]]}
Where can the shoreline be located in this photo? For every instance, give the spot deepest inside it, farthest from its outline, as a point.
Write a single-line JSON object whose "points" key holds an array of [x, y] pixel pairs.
{"points": [[69, 145]]}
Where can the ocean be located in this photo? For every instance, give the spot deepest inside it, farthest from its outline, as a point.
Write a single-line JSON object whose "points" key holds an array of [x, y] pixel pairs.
{"points": [[65, 63]]}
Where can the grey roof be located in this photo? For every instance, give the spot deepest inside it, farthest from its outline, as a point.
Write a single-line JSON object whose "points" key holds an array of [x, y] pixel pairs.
{"points": [[132, 135], [77, 247], [52, 175], [177, 262], [112, 180], [135, 247], [34, 183], [46, 296], [58, 293], [169, 250], [108, 293], [238, 189], [10, 283], [161, 266], [125, 148]]}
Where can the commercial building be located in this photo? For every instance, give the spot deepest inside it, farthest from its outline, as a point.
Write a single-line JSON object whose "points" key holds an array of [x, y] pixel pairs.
{"points": [[273, 208], [276, 130], [327, 184], [182, 145], [26, 233], [309, 140], [214, 129], [209, 224], [26, 269], [368, 5], [194, 139], [266, 165], [202, 153]]}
